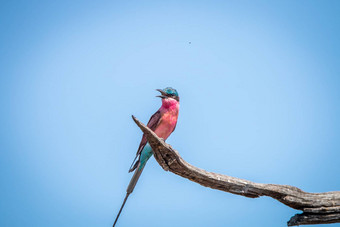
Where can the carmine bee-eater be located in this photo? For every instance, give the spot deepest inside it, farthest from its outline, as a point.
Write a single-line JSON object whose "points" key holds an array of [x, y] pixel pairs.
{"points": [[163, 123]]}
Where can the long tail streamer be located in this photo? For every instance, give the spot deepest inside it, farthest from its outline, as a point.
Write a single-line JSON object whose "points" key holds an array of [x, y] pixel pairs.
{"points": [[121, 208], [130, 188]]}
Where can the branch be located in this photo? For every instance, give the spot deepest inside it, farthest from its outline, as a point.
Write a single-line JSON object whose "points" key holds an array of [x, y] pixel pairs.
{"points": [[318, 208]]}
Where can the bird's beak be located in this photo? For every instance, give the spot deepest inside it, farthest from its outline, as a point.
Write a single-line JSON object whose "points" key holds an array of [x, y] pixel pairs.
{"points": [[163, 94]]}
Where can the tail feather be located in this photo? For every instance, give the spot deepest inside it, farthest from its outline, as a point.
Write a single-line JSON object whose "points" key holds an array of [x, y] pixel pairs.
{"points": [[134, 178], [121, 208], [134, 164], [130, 188]]}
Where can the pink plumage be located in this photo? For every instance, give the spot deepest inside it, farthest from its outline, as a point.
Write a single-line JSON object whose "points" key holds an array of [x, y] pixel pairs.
{"points": [[169, 115]]}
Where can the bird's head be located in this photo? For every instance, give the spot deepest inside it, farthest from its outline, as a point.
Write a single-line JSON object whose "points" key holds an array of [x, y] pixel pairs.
{"points": [[167, 93]]}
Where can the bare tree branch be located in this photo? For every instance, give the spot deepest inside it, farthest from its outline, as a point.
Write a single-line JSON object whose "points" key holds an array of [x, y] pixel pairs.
{"points": [[318, 208]]}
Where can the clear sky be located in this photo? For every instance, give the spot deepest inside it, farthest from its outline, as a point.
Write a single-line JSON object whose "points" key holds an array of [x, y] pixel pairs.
{"points": [[259, 83]]}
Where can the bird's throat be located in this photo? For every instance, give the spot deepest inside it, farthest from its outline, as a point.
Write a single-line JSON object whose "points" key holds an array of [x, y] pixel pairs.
{"points": [[170, 103]]}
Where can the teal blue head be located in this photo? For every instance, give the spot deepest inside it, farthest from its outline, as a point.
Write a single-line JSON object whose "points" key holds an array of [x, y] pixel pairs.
{"points": [[168, 92]]}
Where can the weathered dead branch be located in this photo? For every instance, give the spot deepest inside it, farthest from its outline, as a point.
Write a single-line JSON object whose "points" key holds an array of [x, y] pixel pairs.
{"points": [[318, 208]]}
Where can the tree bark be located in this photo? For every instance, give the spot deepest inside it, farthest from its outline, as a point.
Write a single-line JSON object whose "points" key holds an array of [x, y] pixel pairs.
{"points": [[318, 208]]}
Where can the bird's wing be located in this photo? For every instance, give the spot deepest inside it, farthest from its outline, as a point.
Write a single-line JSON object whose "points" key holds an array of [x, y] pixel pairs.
{"points": [[154, 121]]}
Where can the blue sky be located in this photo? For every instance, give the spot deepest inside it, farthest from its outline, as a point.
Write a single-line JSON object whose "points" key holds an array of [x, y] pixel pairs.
{"points": [[260, 100]]}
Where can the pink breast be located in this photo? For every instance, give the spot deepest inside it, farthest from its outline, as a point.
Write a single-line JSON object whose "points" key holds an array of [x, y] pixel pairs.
{"points": [[166, 126]]}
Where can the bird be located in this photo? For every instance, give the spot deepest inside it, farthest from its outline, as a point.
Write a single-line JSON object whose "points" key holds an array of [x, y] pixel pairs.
{"points": [[163, 123]]}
